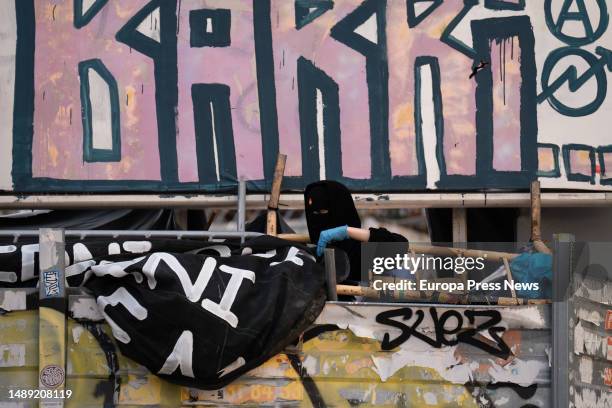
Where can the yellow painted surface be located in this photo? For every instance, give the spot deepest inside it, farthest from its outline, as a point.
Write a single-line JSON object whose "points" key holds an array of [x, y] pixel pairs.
{"points": [[339, 363]]}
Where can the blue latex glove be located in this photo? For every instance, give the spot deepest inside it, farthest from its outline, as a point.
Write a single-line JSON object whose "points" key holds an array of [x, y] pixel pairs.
{"points": [[333, 234]]}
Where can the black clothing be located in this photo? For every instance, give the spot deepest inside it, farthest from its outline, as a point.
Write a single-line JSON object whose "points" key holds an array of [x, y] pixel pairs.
{"points": [[354, 253], [384, 235], [329, 204]]}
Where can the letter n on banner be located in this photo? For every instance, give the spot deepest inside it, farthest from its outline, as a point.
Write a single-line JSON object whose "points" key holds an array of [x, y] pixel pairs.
{"points": [[506, 123]]}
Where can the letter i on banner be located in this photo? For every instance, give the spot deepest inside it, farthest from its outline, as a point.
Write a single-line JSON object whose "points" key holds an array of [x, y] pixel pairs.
{"points": [[52, 316]]}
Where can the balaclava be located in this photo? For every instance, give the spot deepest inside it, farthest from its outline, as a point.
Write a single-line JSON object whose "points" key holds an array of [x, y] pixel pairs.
{"points": [[329, 204]]}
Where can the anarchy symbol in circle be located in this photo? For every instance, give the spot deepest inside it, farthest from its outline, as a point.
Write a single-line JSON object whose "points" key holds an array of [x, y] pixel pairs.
{"points": [[581, 16], [575, 82]]}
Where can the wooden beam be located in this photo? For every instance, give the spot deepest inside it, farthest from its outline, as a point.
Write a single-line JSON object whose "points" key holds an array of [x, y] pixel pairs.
{"points": [[510, 279], [279, 171], [536, 219], [271, 223], [374, 294], [301, 238]]}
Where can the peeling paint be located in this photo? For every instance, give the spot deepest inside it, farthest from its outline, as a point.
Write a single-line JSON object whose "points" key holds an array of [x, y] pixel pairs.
{"points": [[430, 398], [347, 370], [77, 331], [13, 300], [12, 355], [595, 290], [589, 316], [443, 362], [588, 398], [311, 364], [586, 370], [83, 307], [588, 342], [519, 372]]}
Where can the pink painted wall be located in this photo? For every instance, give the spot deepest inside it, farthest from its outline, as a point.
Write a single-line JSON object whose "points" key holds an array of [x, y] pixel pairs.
{"points": [[58, 135], [57, 150], [506, 71], [233, 66]]}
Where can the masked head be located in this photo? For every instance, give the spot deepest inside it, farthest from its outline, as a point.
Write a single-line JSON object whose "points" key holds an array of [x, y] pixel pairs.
{"points": [[328, 204]]}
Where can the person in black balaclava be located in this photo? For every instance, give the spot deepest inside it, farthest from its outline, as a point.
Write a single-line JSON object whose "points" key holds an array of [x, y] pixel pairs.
{"points": [[331, 216]]}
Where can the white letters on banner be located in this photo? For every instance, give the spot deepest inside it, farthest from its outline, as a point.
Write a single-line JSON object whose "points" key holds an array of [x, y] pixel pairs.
{"points": [[121, 296], [222, 309], [181, 356]]}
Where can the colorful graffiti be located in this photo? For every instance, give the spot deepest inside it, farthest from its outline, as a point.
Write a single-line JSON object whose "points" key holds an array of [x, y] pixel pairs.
{"points": [[110, 95], [340, 362]]}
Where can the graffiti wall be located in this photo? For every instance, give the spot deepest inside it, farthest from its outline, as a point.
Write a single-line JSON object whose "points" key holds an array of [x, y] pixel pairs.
{"points": [[158, 95], [479, 357], [590, 331]]}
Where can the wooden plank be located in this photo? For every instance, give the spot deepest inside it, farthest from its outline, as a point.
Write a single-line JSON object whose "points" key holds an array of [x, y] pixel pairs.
{"points": [[271, 223], [509, 276], [536, 219], [302, 238], [279, 171], [52, 316]]}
